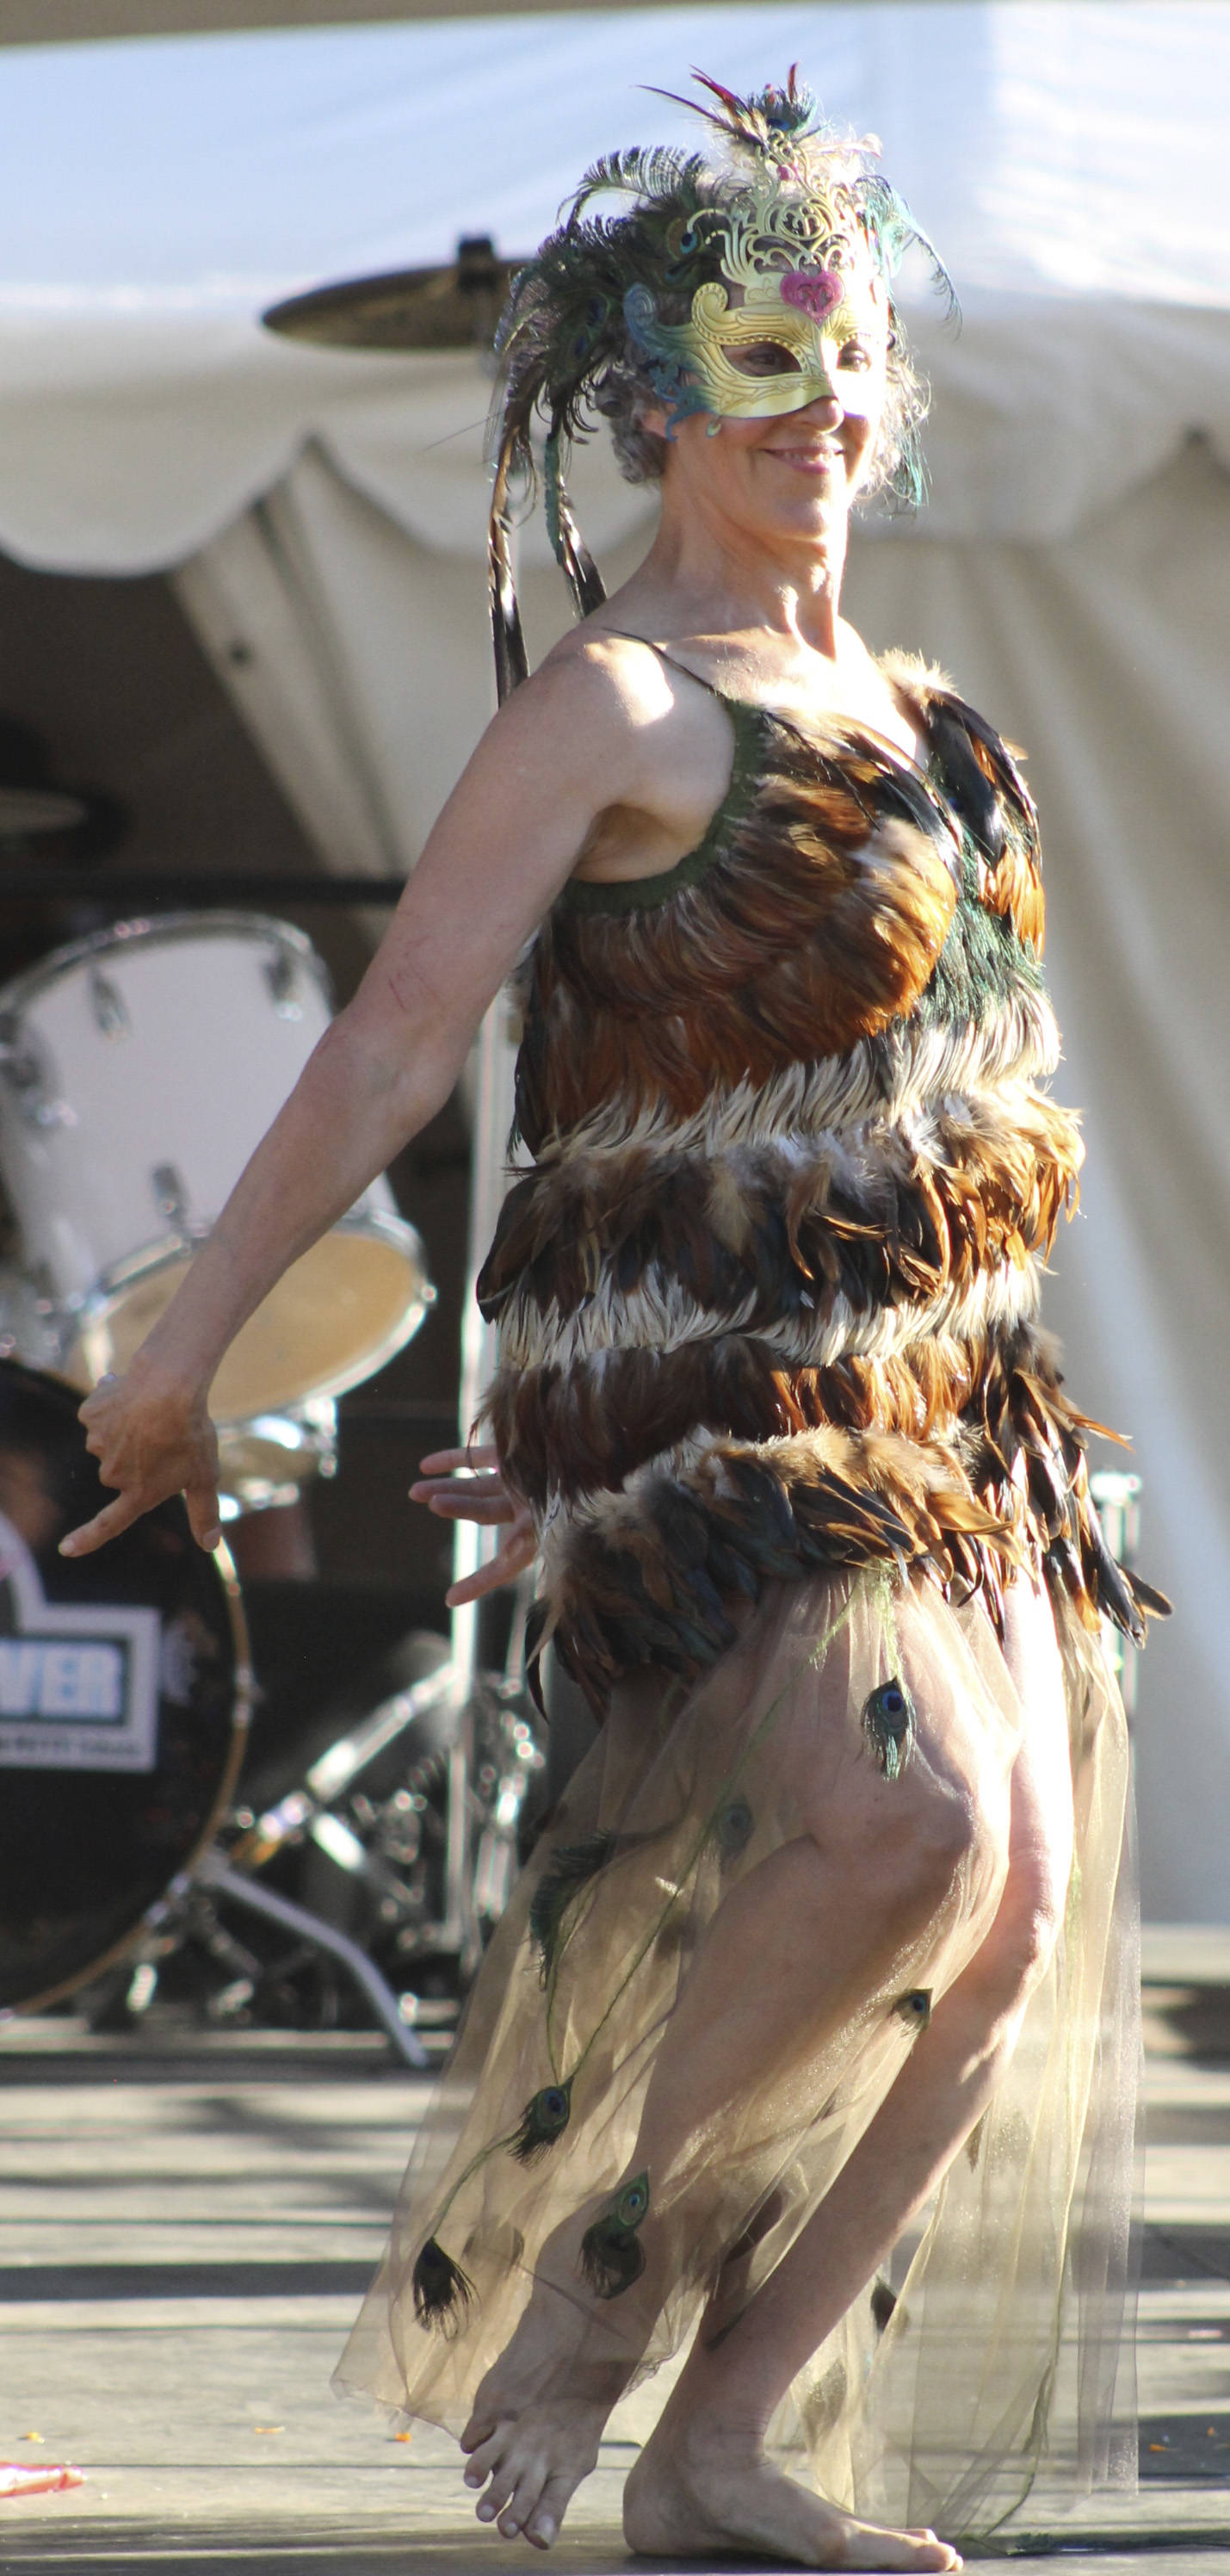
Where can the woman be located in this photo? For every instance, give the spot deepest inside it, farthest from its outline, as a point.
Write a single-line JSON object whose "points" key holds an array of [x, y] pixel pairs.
{"points": [[805, 1951]]}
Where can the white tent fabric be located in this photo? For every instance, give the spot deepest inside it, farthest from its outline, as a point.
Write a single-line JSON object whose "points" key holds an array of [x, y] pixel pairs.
{"points": [[1068, 159], [324, 515]]}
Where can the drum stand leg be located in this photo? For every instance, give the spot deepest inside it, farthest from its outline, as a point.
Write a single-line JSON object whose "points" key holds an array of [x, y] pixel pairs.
{"points": [[216, 1874]]}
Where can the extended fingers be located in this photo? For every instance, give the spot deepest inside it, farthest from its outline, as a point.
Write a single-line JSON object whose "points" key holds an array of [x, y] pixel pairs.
{"points": [[446, 1462], [106, 1524], [204, 1518], [484, 1499], [510, 1561]]}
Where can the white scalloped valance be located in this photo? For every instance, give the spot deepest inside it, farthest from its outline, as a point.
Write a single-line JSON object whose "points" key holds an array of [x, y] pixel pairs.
{"points": [[155, 195]]}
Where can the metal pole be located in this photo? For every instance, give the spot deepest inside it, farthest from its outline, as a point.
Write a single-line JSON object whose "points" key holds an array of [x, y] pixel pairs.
{"points": [[472, 1546], [216, 1874]]}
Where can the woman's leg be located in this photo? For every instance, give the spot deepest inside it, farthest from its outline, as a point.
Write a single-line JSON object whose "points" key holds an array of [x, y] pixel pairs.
{"points": [[702, 2479], [787, 1970]]}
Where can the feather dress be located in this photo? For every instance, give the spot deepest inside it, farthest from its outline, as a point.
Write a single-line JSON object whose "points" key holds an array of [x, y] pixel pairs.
{"points": [[772, 1376]]}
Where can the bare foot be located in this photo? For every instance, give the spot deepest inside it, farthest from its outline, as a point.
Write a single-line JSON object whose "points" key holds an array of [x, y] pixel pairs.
{"points": [[693, 2493], [539, 2413], [535, 2461]]}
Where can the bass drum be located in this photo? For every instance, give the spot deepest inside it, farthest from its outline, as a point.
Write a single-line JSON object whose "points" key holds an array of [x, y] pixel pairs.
{"points": [[125, 1692]]}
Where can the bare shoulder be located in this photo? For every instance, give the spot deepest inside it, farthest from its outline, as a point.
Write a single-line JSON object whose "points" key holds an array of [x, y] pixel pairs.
{"points": [[617, 678], [667, 739]]}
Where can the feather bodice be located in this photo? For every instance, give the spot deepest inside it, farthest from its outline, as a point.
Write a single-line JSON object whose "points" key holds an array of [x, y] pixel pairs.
{"points": [[767, 1295]]}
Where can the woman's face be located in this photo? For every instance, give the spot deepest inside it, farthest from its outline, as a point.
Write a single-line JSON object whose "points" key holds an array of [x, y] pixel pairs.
{"points": [[796, 472]]}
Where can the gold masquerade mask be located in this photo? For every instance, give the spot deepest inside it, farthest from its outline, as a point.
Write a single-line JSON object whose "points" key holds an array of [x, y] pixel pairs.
{"points": [[794, 266]]}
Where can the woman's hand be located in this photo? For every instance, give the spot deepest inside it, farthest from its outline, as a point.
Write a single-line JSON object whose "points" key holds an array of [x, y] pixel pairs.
{"points": [[466, 1485], [152, 1437]]}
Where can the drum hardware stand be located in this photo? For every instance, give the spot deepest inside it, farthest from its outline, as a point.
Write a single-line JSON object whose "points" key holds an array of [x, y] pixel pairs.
{"points": [[228, 1874], [487, 1866], [217, 1874], [476, 1877]]}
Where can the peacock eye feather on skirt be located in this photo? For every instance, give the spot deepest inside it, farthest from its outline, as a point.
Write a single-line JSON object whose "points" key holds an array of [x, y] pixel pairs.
{"points": [[543, 2120], [442, 2291], [888, 1718], [734, 1828], [611, 2256]]}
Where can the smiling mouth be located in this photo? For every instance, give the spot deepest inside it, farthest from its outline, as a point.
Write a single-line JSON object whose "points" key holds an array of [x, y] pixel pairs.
{"points": [[807, 460]]}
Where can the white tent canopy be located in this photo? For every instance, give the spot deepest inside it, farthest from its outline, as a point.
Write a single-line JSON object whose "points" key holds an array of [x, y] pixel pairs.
{"points": [[153, 197], [324, 515]]}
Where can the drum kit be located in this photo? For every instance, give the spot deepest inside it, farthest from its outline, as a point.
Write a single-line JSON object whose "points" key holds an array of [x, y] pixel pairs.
{"points": [[126, 1685]]}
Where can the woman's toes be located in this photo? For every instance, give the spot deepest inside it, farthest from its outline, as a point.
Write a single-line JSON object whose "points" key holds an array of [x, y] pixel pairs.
{"points": [[483, 2460], [503, 2489], [543, 2524], [527, 2498]]}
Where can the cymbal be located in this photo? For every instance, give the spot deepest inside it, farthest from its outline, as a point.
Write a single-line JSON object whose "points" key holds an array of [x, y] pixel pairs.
{"points": [[407, 308]]}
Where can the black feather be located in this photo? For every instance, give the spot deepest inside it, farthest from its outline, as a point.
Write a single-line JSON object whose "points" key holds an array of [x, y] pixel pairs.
{"points": [[442, 2292], [1147, 1597], [970, 791], [883, 2302], [569, 1870]]}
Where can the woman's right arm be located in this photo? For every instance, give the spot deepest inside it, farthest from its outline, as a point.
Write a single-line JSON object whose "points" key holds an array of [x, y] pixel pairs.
{"points": [[560, 751]]}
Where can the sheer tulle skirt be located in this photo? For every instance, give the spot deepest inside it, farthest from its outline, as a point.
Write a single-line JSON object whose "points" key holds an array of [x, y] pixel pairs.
{"points": [[1004, 2366]]}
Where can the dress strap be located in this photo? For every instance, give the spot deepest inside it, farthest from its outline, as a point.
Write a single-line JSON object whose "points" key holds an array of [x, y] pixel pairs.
{"points": [[625, 637]]}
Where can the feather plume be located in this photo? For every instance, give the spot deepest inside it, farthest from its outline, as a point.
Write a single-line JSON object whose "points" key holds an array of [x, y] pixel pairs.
{"points": [[888, 1724], [564, 325], [442, 2292], [624, 1594], [569, 1870], [612, 2257], [543, 2121]]}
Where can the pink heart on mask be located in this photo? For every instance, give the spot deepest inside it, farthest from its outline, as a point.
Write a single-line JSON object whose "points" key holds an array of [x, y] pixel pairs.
{"points": [[816, 291]]}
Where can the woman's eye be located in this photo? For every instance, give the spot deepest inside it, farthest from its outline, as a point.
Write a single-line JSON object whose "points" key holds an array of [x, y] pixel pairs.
{"points": [[853, 354], [765, 358]]}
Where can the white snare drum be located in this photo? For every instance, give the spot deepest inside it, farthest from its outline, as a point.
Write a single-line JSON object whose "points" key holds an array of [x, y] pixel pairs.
{"points": [[138, 1070], [264, 1463]]}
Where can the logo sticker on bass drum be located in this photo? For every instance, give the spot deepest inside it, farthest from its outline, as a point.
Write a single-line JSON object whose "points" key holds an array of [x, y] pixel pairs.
{"points": [[78, 1681]]}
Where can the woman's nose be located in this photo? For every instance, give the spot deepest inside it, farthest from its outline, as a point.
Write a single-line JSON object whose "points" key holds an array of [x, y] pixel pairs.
{"points": [[826, 408]]}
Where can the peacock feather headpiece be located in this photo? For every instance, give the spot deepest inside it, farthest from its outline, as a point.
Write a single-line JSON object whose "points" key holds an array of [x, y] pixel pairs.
{"points": [[781, 209]]}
